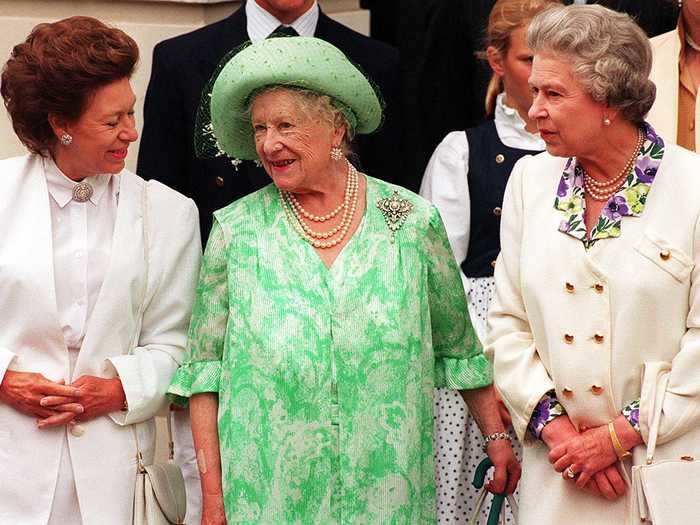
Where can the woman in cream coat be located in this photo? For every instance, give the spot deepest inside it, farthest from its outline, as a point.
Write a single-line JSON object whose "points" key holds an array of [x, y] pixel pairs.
{"points": [[676, 72], [97, 272], [596, 297]]}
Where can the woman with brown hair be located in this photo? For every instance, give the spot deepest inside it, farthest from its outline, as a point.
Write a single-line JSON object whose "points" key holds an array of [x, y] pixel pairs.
{"points": [[478, 162], [96, 286]]}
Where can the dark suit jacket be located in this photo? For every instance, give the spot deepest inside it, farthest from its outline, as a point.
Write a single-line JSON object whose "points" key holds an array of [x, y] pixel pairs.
{"points": [[654, 16], [183, 65], [443, 83]]}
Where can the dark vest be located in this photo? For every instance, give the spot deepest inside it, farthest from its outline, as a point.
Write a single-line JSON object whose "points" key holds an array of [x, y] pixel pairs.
{"points": [[490, 164]]}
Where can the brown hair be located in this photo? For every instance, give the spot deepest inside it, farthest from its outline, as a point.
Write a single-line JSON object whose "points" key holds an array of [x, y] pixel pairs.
{"points": [[506, 17], [57, 69]]}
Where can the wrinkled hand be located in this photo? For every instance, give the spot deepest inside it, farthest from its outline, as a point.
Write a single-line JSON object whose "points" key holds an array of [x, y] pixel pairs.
{"points": [[610, 483], [24, 391], [587, 453], [558, 431], [98, 397], [213, 512], [503, 411], [506, 467]]}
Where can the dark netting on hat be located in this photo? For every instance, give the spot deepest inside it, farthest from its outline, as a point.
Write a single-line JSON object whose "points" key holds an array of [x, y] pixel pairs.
{"points": [[206, 144]]}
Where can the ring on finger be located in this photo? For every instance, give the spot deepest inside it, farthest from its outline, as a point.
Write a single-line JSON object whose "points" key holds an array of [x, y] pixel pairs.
{"points": [[569, 472]]}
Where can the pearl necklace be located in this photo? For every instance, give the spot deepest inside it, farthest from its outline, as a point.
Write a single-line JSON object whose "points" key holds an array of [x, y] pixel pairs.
{"points": [[320, 239], [319, 218], [602, 191]]}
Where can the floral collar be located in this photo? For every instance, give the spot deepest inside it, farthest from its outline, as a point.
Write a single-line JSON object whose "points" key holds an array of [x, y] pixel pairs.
{"points": [[629, 201]]}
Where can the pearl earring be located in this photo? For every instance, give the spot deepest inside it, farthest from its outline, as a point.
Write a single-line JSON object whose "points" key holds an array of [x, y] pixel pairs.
{"points": [[66, 139], [606, 121], [680, 4], [336, 153]]}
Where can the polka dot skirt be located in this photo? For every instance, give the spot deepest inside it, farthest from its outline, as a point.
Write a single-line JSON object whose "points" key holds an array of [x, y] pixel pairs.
{"points": [[457, 438]]}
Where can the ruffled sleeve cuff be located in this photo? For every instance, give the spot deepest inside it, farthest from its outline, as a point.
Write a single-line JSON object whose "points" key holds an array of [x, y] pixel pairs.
{"points": [[463, 374], [194, 378]]}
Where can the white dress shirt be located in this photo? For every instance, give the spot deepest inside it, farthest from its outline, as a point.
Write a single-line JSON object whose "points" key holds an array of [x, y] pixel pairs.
{"points": [[261, 24], [82, 243], [445, 181]]}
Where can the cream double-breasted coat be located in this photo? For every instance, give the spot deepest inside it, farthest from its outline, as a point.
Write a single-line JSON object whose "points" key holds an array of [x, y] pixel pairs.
{"points": [[103, 449], [632, 316]]}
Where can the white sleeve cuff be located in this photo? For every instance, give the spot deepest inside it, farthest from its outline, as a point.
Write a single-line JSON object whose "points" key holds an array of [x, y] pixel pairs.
{"points": [[6, 358], [145, 377]]}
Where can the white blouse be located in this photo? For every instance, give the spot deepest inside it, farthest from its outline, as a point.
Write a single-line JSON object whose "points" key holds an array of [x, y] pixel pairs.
{"points": [[82, 244], [261, 24], [445, 181]]}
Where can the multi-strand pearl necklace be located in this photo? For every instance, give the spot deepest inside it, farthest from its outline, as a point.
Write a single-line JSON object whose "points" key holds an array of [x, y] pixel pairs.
{"points": [[296, 214], [602, 191]]}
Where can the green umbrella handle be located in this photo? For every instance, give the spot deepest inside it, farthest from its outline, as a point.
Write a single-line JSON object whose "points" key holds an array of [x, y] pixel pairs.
{"points": [[497, 501]]}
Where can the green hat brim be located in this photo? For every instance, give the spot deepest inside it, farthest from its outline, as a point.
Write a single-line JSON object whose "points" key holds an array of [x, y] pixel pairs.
{"points": [[303, 62]]}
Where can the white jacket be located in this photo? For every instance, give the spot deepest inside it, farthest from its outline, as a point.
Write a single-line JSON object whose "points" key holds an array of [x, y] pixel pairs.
{"points": [[31, 340], [663, 115], [646, 307]]}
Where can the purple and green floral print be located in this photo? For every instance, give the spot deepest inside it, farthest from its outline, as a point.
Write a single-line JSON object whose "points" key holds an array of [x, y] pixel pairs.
{"points": [[546, 411], [628, 201], [631, 413]]}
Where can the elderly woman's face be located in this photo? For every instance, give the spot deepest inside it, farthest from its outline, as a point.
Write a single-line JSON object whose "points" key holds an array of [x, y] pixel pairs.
{"points": [[568, 119], [294, 147], [102, 134]]}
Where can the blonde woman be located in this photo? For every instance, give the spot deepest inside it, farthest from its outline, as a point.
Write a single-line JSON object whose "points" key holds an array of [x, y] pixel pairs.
{"points": [[676, 72], [478, 162]]}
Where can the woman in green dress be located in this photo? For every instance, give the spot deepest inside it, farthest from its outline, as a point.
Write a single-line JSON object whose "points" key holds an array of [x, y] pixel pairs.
{"points": [[329, 307]]}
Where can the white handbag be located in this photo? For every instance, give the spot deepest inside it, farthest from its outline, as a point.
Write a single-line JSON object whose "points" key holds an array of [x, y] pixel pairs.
{"points": [[666, 492], [159, 492], [497, 513]]}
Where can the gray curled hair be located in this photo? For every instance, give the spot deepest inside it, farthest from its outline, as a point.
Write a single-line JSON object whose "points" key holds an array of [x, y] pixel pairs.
{"points": [[315, 105], [610, 54]]}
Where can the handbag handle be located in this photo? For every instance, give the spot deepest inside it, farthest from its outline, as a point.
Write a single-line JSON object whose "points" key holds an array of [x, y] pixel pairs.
{"points": [[137, 332]]}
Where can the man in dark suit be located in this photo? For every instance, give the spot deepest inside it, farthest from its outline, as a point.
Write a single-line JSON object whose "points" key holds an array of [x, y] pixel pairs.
{"points": [[182, 67]]}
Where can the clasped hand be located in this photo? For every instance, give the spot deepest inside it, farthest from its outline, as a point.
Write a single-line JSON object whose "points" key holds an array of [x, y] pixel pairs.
{"points": [[54, 403], [589, 454]]}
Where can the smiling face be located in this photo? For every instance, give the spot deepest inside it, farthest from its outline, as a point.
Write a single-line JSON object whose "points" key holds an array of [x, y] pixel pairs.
{"points": [[102, 134], [569, 121], [286, 11], [293, 145]]}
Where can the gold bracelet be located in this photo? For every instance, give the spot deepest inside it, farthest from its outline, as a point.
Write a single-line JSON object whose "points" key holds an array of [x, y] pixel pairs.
{"points": [[619, 450]]}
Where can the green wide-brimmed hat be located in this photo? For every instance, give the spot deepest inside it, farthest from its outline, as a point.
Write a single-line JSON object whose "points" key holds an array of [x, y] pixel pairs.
{"points": [[302, 62]]}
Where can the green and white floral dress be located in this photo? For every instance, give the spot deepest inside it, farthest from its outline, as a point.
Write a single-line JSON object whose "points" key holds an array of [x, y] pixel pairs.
{"points": [[325, 376]]}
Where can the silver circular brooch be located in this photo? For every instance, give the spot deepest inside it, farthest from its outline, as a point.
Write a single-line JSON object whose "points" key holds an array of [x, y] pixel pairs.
{"points": [[82, 191]]}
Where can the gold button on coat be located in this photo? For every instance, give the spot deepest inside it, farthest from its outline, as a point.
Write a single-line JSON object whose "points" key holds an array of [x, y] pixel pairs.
{"points": [[500, 158], [597, 390], [569, 287], [599, 338], [665, 255], [567, 392], [219, 181], [599, 288], [568, 339], [493, 264], [497, 211]]}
